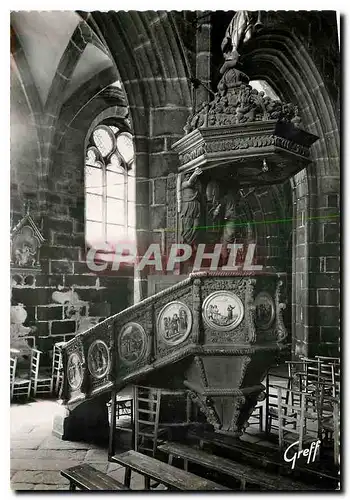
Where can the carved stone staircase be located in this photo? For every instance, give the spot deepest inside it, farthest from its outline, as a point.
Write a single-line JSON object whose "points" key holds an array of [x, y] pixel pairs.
{"points": [[215, 334]]}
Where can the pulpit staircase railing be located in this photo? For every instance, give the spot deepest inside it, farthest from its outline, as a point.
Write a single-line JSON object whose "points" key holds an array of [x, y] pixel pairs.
{"points": [[217, 334]]}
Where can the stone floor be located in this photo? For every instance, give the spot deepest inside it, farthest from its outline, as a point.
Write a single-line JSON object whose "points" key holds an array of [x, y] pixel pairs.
{"points": [[37, 456]]}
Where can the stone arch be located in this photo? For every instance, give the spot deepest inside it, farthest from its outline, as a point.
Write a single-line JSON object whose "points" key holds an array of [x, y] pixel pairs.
{"points": [[282, 59], [154, 70]]}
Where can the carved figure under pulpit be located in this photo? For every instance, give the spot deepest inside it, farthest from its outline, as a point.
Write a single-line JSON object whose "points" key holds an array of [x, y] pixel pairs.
{"points": [[224, 214], [190, 207]]}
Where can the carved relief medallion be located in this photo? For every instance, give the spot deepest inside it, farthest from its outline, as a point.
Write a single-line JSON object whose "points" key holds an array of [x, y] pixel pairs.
{"points": [[265, 310], [223, 310], [132, 343], [174, 323], [98, 359], [74, 371]]}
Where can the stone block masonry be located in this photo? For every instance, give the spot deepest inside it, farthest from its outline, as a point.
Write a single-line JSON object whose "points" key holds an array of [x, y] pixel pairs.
{"points": [[66, 297]]}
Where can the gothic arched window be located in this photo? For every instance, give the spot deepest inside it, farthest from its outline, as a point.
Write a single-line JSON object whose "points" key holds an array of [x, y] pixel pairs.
{"points": [[109, 186]]}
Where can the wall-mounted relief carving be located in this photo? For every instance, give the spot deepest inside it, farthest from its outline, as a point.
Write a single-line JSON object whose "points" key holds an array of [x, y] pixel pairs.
{"points": [[264, 310], [26, 240], [75, 371], [174, 323], [132, 343], [223, 310], [99, 360]]}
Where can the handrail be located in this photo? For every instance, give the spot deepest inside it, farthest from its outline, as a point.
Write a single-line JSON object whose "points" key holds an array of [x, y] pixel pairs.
{"points": [[167, 291], [133, 308]]}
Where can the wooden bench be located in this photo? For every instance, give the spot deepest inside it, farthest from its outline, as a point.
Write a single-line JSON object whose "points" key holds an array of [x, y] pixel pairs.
{"points": [[86, 477], [243, 473], [262, 457], [172, 477]]}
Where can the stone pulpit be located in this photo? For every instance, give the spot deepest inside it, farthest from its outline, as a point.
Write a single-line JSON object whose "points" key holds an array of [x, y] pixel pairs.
{"points": [[215, 333]]}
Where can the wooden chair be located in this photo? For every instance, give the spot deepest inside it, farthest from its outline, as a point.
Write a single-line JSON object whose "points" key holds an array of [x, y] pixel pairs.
{"points": [[312, 373], [42, 382], [57, 368], [329, 374], [19, 386], [329, 421], [272, 408], [296, 372], [329, 359], [147, 410], [257, 416], [271, 404], [293, 419], [124, 407], [120, 405]]}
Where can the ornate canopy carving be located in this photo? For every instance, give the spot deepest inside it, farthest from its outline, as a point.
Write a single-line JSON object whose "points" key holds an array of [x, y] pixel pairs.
{"points": [[243, 133]]}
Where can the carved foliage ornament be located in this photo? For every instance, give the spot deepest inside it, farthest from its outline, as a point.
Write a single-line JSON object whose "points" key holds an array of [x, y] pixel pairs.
{"points": [[281, 330], [236, 102]]}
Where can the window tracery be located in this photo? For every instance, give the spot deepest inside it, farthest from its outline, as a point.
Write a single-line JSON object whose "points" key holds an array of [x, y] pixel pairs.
{"points": [[109, 186]]}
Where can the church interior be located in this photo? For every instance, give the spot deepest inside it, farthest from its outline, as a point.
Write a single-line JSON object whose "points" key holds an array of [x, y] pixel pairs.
{"points": [[175, 247]]}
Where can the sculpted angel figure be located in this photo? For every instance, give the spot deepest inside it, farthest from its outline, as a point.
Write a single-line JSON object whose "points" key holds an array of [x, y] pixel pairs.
{"points": [[190, 206], [226, 212]]}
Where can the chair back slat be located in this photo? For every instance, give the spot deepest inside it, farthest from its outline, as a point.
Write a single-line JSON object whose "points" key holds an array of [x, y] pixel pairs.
{"points": [[43, 384], [13, 366], [19, 387], [297, 415], [147, 411]]}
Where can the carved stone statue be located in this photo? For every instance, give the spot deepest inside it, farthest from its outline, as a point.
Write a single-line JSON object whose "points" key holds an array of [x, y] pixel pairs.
{"points": [[190, 206], [226, 213], [239, 31]]}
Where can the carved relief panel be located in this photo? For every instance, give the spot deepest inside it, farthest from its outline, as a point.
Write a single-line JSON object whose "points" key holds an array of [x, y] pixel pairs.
{"points": [[224, 310], [134, 341], [99, 347], [26, 240], [174, 323], [75, 370]]}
